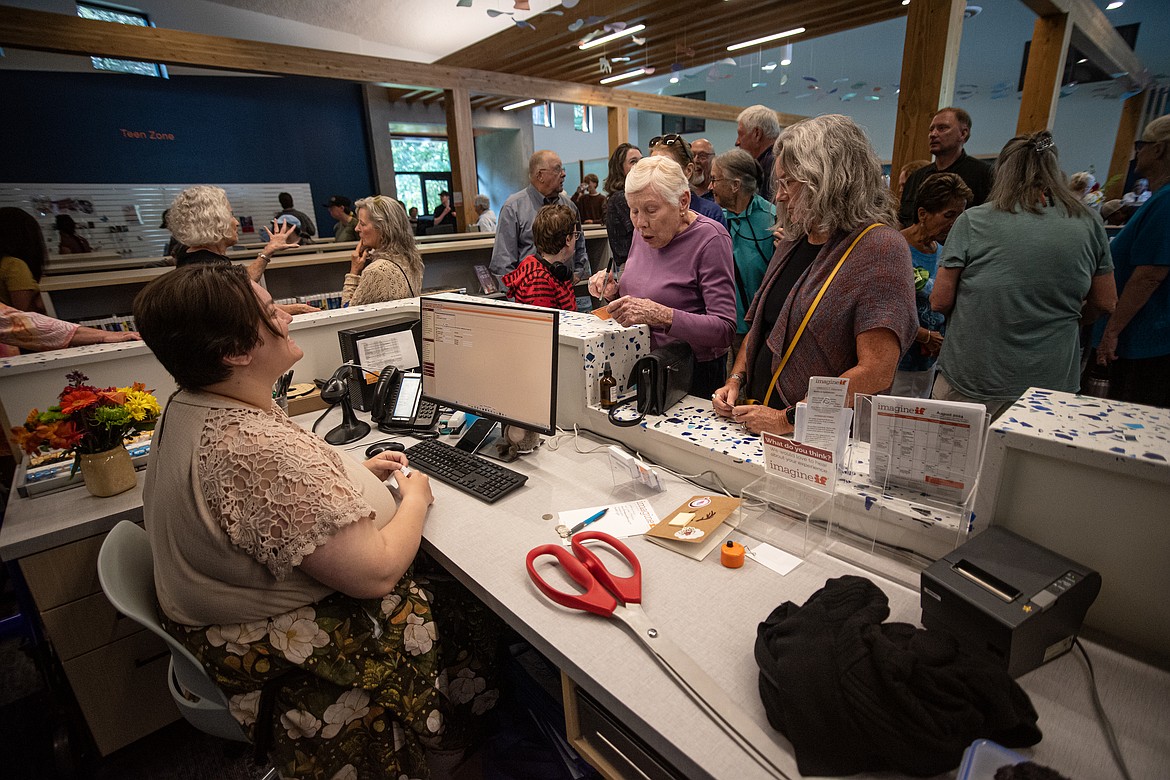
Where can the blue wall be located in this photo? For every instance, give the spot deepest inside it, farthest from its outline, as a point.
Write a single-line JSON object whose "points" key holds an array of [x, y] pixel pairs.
{"points": [[226, 129]]}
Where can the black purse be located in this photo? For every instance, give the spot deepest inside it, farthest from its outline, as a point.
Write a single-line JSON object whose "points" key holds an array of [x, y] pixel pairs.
{"points": [[661, 378]]}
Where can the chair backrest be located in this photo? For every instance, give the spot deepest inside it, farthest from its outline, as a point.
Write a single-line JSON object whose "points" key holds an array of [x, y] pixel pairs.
{"points": [[126, 571]]}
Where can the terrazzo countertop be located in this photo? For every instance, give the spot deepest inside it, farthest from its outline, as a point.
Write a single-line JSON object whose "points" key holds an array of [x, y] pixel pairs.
{"points": [[1093, 431]]}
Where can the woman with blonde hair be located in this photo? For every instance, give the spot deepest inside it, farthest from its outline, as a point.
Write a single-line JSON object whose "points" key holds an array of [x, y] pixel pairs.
{"points": [[838, 297], [1017, 277], [386, 264]]}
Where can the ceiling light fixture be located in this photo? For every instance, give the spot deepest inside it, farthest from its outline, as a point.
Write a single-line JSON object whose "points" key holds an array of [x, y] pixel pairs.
{"points": [[637, 28], [674, 79], [1082, 60], [1115, 5], [519, 104], [765, 39], [905, 2], [623, 76], [786, 60]]}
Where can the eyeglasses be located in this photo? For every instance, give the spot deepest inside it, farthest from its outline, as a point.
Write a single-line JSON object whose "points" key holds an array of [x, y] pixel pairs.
{"points": [[670, 139], [557, 170], [783, 183], [703, 155], [722, 178], [1139, 145]]}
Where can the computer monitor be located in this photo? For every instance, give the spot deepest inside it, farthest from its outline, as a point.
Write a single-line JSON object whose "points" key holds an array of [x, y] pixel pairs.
{"points": [[496, 361]]}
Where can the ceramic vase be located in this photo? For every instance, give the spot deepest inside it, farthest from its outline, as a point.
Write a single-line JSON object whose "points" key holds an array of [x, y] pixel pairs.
{"points": [[108, 473]]}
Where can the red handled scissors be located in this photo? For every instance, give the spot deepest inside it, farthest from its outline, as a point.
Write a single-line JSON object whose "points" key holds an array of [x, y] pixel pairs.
{"points": [[608, 595]]}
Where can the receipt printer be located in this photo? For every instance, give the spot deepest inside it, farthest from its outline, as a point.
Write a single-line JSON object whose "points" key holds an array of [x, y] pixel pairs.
{"points": [[1017, 601]]}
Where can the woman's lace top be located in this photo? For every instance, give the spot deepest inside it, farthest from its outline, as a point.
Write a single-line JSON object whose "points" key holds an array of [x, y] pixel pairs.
{"points": [[279, 492]]}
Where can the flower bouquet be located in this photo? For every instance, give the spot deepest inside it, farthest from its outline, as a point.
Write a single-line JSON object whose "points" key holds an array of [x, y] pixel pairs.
{"points": [[92, 423]]}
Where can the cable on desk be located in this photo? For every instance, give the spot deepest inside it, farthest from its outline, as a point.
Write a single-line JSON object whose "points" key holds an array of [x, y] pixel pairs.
{"points": [[1106, 725], [322, 417]]}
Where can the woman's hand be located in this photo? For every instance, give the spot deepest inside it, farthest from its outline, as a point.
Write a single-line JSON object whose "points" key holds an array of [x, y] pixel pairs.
{"points": [[296, 308], [933, 343], [359, 258], [627, 311], [281, 237], [1107, 349], [602, 285], [756, 418], [413, 486], [723, 400], [115, 337], [386, 463]]}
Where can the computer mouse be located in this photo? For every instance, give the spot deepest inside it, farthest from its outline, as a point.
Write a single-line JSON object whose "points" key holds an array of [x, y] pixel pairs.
{"points": [[377, 448]]}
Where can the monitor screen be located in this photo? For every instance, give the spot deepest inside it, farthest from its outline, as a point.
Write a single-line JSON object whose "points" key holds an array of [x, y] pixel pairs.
{"points": [[376, 347], [492, 360]]}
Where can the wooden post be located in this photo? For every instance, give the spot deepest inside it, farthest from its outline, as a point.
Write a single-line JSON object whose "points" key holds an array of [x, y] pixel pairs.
{"points": [[619, 126], [930, 57], [1050, 37], [1127, 132], [461, 148]]}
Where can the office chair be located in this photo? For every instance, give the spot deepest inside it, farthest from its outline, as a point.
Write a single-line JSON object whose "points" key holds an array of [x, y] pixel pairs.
{"points": [[126, 572]]}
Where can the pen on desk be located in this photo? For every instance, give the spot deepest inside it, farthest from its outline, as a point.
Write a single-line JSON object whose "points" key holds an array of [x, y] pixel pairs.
{"points": [[591, 519]]}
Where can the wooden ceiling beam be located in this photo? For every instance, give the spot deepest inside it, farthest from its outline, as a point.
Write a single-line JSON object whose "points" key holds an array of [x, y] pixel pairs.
{"points": [[1095, 38], [65, 34]]}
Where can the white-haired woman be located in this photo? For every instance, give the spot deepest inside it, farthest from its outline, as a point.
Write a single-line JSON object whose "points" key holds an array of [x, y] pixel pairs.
{"points": [[679, 276], [837, 214], [386, 264], [1015, 278]]}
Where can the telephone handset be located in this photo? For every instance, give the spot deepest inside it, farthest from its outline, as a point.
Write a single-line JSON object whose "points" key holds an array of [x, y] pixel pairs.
{"points": [[398, 401]]}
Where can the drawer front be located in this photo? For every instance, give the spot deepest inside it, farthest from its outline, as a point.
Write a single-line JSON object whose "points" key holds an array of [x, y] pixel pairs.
{"points": [[611, 748], [122, 689], [86, 624], [63, 574]]}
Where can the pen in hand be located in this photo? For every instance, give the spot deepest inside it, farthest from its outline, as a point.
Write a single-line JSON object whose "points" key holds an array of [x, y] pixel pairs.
{"points": [[591, 519]]}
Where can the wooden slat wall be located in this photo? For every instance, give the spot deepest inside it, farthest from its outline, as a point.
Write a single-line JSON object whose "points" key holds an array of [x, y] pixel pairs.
{"points": [[125, 218]]}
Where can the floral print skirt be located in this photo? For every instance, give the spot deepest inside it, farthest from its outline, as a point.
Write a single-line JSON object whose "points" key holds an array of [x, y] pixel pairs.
{"points": [[349, 688]]}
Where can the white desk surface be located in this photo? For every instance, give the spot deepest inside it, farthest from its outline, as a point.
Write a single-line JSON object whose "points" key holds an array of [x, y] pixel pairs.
{"points": [[710, 611]]}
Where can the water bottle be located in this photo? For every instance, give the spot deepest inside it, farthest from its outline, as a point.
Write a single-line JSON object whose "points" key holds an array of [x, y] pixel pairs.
{"points": [[1097, 382]]}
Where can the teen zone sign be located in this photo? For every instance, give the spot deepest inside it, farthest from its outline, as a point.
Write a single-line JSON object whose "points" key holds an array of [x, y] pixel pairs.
{"points": [[146, 135]]}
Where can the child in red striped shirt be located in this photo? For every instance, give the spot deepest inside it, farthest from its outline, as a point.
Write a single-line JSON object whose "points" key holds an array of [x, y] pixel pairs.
{"points": [[547, 280]]}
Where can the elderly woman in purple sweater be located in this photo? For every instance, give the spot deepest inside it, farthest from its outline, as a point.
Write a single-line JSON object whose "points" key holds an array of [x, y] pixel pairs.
{"points": [[679, 277]]}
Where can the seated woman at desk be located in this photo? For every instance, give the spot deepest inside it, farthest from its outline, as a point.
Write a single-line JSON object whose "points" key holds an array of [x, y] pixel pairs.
{"points": [[288, 568], [829, 193], [200, 218], [22, 260], [386, 264], [679, 278]]}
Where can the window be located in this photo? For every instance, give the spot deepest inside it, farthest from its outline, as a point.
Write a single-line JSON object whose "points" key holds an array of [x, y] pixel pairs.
{"points": [[422, 169], [542, 115], [583, 118], [103, 13], [685, 124]]}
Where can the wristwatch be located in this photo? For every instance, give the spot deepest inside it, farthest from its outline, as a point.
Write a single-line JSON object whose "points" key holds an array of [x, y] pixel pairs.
{"points": [[737, 375], [790, 415]]}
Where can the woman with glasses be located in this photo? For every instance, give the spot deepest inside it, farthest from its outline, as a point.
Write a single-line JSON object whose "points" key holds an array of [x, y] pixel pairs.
{"points": [[735, 177], [1017, 277], [838, 297], [618, 226], [676, 148], [679, 278]]}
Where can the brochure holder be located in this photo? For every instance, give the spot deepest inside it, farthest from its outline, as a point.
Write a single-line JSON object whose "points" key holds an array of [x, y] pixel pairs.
{"points": [[633, 478], [786, 514], [887, 527]]}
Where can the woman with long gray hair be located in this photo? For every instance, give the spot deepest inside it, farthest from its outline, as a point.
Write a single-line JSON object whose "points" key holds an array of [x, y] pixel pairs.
{"points": [[1016, 278], [386, 264], [838, 297]]}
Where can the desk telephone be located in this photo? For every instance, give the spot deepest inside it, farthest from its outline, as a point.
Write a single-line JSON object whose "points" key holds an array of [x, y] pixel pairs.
{"points": [[398, 402]]}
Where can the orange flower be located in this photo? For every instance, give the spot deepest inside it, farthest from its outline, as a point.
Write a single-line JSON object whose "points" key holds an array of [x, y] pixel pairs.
{"points": [[33, 417], [64, 435], [111, 396], [76, 400]]}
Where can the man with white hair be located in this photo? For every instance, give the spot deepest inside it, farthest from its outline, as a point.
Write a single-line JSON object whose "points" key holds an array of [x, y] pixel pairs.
{"points": [[756, 131], [546, 176], [487, 218], [1137, 336], [704, 153]]}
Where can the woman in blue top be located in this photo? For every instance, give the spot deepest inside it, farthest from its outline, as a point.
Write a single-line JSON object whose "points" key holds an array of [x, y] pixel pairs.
{"points": [[735, 180], [940, 201]]}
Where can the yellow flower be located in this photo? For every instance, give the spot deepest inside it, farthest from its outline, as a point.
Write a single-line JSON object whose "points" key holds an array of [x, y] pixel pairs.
{"points": [[140, 404]]}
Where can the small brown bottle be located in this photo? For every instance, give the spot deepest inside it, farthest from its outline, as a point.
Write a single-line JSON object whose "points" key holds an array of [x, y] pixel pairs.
{"points": [[608, 385]]}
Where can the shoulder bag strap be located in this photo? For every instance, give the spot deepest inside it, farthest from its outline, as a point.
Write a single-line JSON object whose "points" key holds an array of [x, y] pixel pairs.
{"points": [[808, 315]]}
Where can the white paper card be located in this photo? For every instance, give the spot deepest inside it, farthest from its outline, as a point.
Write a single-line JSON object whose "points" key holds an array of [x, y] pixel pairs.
{"points": [[927, 445], [632, 518], [802, 463], [773, 557], [390, 349], [826, 399]]}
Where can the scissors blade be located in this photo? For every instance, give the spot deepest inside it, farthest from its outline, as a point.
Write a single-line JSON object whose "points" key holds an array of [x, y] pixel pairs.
{"points": [[720, 707]]}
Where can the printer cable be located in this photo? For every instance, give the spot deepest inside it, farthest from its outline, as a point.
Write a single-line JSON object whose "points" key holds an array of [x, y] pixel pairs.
{"points": [[1106, 725]]}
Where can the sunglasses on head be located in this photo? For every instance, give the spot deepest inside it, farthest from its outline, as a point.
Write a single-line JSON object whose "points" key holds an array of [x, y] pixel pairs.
{"points": [[670, 139]]}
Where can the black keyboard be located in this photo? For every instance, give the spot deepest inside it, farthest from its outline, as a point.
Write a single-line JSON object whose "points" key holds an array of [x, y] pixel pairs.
{"points": [[469, 473]]}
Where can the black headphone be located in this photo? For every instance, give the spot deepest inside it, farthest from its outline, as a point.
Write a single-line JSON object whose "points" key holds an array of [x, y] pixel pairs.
{"points": [[559, 271]]}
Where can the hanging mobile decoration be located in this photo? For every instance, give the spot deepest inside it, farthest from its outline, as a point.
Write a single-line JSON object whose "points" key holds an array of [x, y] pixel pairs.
{"points": [[603, 64]]}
